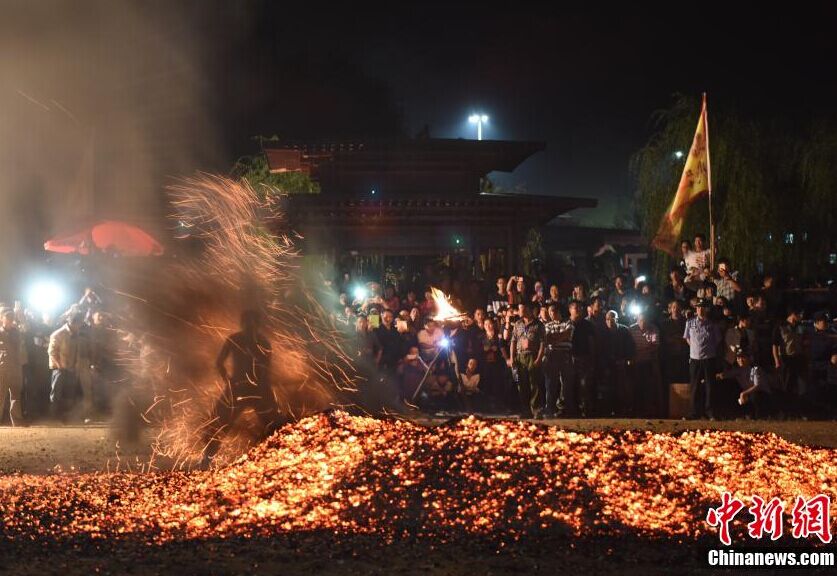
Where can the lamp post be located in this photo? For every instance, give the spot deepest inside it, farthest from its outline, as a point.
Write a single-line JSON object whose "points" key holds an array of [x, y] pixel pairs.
{"points": [[479, 120]]}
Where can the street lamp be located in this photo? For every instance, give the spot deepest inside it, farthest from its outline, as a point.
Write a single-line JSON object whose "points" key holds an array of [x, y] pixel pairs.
{"points": [[479, 120]]}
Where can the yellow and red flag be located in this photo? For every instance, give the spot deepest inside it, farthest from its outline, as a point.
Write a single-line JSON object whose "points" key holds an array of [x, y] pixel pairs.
{"points": [[694, 183]]}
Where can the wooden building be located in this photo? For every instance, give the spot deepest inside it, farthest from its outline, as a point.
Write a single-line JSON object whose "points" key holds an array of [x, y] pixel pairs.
{"points": [[396, 207]]}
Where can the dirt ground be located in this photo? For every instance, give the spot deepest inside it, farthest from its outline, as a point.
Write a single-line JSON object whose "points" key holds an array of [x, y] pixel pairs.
{"points": [[68, 449], [50, 449]]}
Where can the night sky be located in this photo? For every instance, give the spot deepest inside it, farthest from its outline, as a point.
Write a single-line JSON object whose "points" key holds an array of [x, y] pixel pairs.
{"points": [[586, 80], [170, 87]]}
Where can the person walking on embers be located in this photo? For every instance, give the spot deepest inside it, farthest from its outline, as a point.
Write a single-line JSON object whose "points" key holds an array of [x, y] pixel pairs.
{"points": [[247, 385]]}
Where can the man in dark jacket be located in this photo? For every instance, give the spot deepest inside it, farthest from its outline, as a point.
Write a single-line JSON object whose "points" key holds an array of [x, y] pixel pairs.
{"points": [[789, 360], [821, 348], [620, 351], [13, 356], [580, 395], [675, 351]]}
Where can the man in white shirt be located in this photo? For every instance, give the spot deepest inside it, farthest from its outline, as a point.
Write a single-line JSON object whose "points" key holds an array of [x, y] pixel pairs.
{"points": [[63, 361], [697, 259]]}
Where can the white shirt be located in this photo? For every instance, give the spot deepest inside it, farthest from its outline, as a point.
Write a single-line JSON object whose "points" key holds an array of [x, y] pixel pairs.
{"points": [[697, 260]]}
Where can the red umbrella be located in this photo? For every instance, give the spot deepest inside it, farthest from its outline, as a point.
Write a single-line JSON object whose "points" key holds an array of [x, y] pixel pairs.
{"points": [[109, 237]]}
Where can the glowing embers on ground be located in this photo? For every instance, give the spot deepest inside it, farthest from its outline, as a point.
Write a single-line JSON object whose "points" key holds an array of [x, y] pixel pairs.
{"points": [[508, 480]]}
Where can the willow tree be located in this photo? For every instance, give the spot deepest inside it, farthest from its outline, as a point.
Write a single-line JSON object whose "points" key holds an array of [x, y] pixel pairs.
{"points": [[532, 254], [819, 181], [773, 186]]}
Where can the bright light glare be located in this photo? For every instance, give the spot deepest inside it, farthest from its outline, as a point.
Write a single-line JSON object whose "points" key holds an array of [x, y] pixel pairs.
{"points": [[473, 118], [361, 293], [678, 154], [635, 309], [46, 296], [444, 342], [484, 118]]}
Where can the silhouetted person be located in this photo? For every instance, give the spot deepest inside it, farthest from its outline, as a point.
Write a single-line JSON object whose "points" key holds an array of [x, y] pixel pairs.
{"points": [[37, 376], [12, 359], [247, 384]]}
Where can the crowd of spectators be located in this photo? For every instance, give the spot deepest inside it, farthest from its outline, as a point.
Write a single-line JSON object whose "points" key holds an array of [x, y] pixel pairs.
{"points": [[612, 349], [520, 346], [61, 368]]}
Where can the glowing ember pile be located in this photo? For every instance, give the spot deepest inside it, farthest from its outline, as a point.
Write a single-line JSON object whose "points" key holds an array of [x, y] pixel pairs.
{"points": [[350, 475]]}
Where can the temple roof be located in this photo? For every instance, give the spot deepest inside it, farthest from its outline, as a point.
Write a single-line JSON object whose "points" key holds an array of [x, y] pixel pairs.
{"points": [[414, 167]]}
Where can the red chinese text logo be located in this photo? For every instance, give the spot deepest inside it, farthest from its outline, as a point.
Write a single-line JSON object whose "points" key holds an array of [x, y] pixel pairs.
{"points": [[812, 518], [809, 518]]}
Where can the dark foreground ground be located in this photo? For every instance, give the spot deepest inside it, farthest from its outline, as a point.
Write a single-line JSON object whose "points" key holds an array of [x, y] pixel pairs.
{"points": [[319, 553], [39, 450]]}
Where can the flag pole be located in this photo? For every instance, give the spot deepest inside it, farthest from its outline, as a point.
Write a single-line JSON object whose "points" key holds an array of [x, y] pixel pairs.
{"points": [[705, 113]]}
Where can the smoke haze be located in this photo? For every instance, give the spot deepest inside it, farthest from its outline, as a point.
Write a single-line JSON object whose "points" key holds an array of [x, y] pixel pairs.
{"points": [[101, 102]]}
